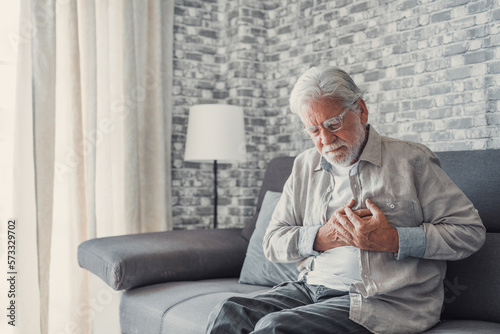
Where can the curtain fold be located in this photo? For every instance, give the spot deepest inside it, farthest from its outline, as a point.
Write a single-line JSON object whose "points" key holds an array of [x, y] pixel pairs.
{"points": [[24, 196], [43, 132], [98, 119]]}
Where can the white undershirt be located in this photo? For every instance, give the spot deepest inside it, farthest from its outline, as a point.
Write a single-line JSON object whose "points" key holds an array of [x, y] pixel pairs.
{"points": [[337, 268]]}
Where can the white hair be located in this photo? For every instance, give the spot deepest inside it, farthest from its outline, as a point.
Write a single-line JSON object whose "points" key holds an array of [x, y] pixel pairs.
{"points": [[322, 82]]}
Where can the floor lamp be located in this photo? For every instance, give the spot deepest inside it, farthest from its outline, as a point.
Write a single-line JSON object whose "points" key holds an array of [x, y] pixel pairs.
{"points": [[216, 132]]}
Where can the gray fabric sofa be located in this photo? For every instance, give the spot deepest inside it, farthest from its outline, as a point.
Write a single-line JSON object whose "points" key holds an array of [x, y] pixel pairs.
{"points": [[174, 279]]}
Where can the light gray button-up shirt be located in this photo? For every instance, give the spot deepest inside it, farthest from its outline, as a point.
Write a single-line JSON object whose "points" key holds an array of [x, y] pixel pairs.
{"points": [[399, 293]]}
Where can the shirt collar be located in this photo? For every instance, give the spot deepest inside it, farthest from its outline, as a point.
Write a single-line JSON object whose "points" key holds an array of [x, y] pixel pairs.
{"points": [[373, 149], [371, 153], [322, 164]]}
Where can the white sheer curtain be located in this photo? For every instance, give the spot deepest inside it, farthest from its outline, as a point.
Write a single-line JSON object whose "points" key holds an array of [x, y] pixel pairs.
{"points": [[92, 145]]}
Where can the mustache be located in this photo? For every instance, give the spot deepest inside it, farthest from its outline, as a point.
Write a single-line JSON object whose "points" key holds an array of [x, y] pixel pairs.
{"points": [[337, 144]]}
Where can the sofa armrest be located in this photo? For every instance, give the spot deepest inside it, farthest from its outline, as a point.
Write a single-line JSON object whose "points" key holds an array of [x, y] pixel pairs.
{"points": [[130, 261]]}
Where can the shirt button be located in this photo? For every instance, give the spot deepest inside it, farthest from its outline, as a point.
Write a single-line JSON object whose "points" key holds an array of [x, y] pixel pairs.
{"points": [[328, 189], [392, 206]]}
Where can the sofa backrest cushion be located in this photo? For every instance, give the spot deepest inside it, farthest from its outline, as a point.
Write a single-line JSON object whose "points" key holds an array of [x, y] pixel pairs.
{"points": [[277, 172], [472, 285], [477, 174]]}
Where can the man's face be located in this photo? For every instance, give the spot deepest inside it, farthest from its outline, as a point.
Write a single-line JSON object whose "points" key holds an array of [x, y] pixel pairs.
{"points": [[341, 147]]}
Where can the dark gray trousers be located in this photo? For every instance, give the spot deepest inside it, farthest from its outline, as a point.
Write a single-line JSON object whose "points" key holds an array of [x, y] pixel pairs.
{"points": [[289, 308]]}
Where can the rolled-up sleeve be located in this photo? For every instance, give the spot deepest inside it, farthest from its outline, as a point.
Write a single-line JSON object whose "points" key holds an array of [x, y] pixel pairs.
{"points": [[307, 235], [412, 242]]}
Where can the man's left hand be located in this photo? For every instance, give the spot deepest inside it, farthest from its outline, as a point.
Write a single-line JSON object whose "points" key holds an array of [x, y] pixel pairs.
{"points": [[371, 232]]}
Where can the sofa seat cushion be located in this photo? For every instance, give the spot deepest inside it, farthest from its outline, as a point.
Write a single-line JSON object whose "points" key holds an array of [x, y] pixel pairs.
{"points": [[177, 307], [184, 307], [465, 327]]}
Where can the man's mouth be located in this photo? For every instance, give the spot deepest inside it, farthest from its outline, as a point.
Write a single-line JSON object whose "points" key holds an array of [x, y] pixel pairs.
{"points": [[334, 150]]}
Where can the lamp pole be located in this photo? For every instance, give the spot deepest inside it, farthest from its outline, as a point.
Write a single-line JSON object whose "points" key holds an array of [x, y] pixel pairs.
{"points": [[215, 194]]}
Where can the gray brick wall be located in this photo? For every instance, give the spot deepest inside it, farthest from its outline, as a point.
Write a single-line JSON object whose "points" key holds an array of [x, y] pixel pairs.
{"points": [[431, 70]]}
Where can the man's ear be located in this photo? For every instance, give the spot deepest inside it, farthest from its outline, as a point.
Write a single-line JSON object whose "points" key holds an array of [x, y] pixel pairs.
{"points": [[363, 115]]}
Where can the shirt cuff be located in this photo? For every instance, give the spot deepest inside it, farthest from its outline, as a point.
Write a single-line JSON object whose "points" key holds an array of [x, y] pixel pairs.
{"points": [[307, 235], [412, 242]]}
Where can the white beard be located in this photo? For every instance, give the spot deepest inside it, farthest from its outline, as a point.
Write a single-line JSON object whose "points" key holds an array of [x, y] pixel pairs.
{"points": [[346, 154]]}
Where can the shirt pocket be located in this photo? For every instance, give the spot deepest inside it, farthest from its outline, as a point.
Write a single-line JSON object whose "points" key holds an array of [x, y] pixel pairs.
{"points": [[403, 213]]}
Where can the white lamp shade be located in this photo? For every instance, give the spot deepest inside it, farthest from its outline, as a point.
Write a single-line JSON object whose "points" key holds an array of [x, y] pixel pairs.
{"points": [[215, 132]]}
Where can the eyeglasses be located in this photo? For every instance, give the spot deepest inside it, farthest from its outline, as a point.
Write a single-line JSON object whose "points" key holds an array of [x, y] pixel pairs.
{"points": [[333, 124]]}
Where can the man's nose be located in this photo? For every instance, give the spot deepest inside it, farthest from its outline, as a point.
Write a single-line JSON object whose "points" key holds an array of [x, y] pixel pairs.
{"points": [[327, 137]]}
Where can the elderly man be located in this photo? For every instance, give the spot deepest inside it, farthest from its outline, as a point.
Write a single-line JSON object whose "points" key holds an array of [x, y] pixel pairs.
{"points": [[370, 220]]}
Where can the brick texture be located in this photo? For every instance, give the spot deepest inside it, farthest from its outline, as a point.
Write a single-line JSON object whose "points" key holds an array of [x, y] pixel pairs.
{"points": [[431, 71]]}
